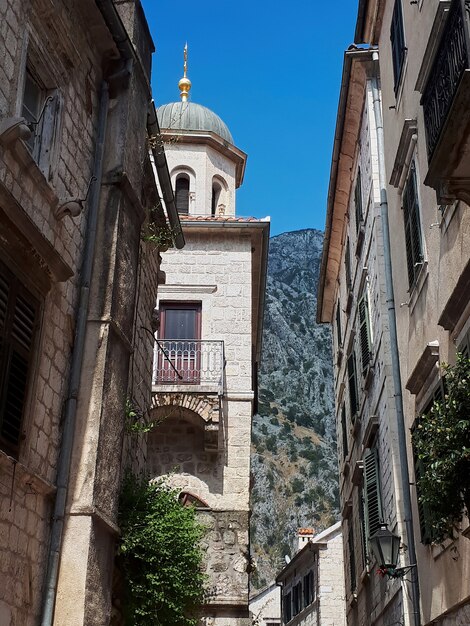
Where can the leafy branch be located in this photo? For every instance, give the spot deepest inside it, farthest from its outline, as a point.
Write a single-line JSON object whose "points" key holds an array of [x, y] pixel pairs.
{"points": [[441, 441]]}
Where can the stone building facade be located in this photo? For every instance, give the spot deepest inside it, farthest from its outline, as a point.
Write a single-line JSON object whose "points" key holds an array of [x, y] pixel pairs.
{"points": [[208, 347], [425, 68], [354, 299], [312, 583], [76, 284]]}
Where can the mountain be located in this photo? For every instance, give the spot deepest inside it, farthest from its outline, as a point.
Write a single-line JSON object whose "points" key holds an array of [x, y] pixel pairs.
{"points": [[294, 460]]}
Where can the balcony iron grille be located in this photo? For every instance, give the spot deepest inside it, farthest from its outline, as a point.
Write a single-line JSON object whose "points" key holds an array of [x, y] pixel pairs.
{"points": [[452, 59], [188, 362]]}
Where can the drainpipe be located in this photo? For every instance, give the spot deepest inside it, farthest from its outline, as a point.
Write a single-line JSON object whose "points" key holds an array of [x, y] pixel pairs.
{"points": [[70, 411], [397, 388]]}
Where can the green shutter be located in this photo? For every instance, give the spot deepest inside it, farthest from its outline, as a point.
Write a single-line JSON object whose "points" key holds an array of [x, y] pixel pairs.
{"points": [[352, 557], [338, 326], [364, 332], [373, 513], [344, 432], [347, 264]]}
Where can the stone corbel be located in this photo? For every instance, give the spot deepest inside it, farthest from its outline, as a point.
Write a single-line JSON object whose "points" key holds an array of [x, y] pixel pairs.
{"points": [[12, 129], [454, 189]]}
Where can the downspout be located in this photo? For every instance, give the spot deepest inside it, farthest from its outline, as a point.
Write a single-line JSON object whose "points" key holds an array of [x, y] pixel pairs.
{"points": [[397, 388], [70, 410]]}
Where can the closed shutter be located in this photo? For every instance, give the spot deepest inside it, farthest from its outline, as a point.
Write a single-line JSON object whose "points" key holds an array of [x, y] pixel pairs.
{"points": [[347, 264], [365, 544], [344, 432], [352, 558], [352, 379], [373, 514], [412, 223], [338, 326], [48, 132], [18, 321], [182, 195], [358, 200], [364, 332]]}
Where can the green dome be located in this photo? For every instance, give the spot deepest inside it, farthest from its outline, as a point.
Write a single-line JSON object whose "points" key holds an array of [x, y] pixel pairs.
{"points": [[192, 116]]}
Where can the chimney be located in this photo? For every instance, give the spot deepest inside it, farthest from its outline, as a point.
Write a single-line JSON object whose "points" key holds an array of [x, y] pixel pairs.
{"points": [[304, 535]]}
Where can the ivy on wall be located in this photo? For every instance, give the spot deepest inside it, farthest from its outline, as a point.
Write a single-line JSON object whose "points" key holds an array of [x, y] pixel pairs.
{"points": [[441, 442], [159, 556]]}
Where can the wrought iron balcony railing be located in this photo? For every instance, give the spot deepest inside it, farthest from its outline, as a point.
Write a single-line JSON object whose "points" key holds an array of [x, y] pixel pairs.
{"points": [[189, 362], [451, 60]]}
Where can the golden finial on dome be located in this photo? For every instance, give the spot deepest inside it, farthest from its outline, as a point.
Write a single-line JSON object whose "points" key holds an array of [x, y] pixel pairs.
{"points": [[185, 83]]}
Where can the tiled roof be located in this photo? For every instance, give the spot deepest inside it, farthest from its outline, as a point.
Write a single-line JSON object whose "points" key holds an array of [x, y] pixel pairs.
{"points": [[306, 531]]}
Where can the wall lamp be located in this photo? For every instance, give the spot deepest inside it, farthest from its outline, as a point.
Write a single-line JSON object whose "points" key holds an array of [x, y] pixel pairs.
{"points": [[385, 546]]}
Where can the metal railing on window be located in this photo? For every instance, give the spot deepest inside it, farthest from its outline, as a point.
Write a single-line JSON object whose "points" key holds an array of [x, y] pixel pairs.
{"points": [[188, 362], [451, 60]]}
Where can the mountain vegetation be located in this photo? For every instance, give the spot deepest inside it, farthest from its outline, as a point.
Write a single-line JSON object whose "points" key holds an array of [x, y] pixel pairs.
{"points": [[294, 461]]}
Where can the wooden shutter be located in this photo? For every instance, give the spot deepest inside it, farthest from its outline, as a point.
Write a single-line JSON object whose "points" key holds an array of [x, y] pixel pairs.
{"points": [[397, 39], [352, 379], [182, 195], [352, 558], [412, 223], [338, 326], [358, 199], [48, 130], [347, 264], [344, 432], [373, 514], [364, 332], [18, 321], [365, 543]]}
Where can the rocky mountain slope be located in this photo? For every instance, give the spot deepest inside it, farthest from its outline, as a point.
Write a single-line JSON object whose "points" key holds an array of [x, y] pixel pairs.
{"points": [[294, 462]]}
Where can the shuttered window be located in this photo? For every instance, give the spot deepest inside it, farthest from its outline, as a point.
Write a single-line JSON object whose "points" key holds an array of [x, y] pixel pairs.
{"points": [[352, 379], [352, 558], [365, 332], [358, 200], [347, 264], [338, 326], [364, 542], [182, 194], [344, 431], [412, 223], [397, 39], [18, 323], [308, 587], [373, 512]]}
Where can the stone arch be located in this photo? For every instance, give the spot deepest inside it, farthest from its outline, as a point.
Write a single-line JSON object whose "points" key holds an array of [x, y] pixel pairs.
{"points": [[219, 201]]}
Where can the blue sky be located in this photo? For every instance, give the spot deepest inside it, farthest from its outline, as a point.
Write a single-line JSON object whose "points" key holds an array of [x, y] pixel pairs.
{"points": [[271, 70]]}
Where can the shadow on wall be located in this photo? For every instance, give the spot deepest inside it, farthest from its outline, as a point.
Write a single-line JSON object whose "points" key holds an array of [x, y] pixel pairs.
{"points": [[176, 447]]}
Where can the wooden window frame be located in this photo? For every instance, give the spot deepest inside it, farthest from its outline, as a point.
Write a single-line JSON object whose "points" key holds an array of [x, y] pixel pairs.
{"points": [[365, 331], [353, 386], [372, 492]]}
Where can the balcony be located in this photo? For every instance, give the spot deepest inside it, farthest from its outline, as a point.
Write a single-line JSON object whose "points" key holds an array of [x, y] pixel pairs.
{"points": [[188, 365], [446, 109]]}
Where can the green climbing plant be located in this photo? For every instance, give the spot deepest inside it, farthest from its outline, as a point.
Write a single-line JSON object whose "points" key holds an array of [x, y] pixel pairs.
{"points": [[159, 555], [441, 442], [160, 236]]}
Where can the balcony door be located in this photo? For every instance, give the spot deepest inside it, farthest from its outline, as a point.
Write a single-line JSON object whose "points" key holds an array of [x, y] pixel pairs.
{"points": [[179, 356]]}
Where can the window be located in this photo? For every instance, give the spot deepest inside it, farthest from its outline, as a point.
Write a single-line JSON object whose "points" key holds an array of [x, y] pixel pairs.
{"points": [[338, 326], [216, 190], [373, 514], [179, 355], [352, 558], [352, 379], [364, 542], [347, 264], [308, 587], [413, 242], [19, 312], [297, 598], [40, 109], [397, 38], [358, 200], [365, 331], [287, 608], [344, 431], [182, 194]]}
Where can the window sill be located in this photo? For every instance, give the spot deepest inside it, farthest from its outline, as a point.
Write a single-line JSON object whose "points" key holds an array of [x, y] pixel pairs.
{"points": [[21, 475]]}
